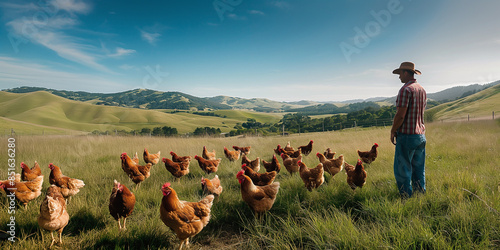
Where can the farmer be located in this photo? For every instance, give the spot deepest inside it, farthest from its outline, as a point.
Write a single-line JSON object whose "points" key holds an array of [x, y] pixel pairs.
{"points": [[408, 132]]}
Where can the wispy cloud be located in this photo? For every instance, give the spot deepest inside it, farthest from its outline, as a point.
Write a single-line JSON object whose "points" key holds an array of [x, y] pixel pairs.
{"points": [[281, 4], [72, 6], [236, 17], [151, 38], [256, 12], [122, 52]]}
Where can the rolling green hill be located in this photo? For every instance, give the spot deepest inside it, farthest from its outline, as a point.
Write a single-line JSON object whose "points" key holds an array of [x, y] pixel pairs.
{"points": [[480, 104], [51, 111]]}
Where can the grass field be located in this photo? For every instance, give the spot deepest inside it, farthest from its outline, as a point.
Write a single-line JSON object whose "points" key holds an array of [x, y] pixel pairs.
{"points": [[459, 211]]}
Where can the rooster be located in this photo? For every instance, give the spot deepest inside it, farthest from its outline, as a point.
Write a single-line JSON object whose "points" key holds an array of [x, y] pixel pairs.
{"points": [[177, 158], [306, 150], [69, 186], [369, 156], [356, 175], [332, 166], [257, 178], [253, 164], [312, 177], [186, 219], [290, 163], [244, 150], [177, 169], [329, 154], [211, 186], [53, 215], [208, 166], [151, 158], [28, 174], [232, 155], [208, 155], [24, 191], [259, 198], [274, 165], [121, 203]]}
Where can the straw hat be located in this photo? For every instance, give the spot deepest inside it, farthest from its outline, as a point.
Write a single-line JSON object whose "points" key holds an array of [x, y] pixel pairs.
{"points": [[407, 66]]}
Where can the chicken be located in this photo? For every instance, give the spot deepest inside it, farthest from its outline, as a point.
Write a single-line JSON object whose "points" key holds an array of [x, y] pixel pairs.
{"points": [[28, 174], [136, 158], [288, 147], [312, 177], [53, 215], [259, 198], [69, 186], [356, 175], [253, 164], [137, 173], [177, 158], [186, 219], [208, 155], [208, 166], [177, 169], [259, 179], [290, 163], [211, 186], [244, 150], [23, 191], [369, 156], [121, 203], [274, 165], [151, 158], [331, 166], [294, 154], [279, 150], [232, 155], [306, 150], [329, 154]]}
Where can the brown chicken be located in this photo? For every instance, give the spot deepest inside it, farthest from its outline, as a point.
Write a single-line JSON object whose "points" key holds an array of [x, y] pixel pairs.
{"points": [[208, 155], [291, 164], [279, 150], [137, 173], [312, 177], [177, 169], [186, 219], [53, 215], [232, 155], [177, 158], [274, 165], [28, 174], [69, 186], [151, 158], [288, 147], [259, 179], [369, 156], [306, 150], [329, 154], [356, 175], [211, 186], [331, 166], [244, 150], [259, 198], [23, 191], [253, 164], [208, 166], [294, 154], [136, 158], [121, 203]]}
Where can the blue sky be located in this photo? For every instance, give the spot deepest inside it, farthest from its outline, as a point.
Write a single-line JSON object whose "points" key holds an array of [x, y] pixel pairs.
{"points": [[280, 50]]}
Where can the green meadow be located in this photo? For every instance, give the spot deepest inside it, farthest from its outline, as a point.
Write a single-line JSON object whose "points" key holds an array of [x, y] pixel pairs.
{"points": [[461, 209]]}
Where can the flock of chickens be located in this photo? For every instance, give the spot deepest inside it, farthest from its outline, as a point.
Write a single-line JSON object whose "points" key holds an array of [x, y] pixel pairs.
{"points": [[186, 219]]}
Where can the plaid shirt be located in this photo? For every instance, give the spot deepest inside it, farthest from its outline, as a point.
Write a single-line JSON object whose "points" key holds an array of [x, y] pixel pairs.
{"points": [[412, 95]]}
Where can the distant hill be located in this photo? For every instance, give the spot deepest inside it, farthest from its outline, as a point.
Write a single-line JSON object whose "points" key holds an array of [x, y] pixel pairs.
{"points": [[477, 105], [44, 109]]}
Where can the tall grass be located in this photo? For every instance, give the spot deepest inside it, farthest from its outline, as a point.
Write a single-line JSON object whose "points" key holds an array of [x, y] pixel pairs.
{"points": [[459, 210]]}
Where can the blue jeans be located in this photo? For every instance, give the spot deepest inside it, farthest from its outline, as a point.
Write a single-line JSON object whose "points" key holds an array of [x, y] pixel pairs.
{"points": [[409, 163]]}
